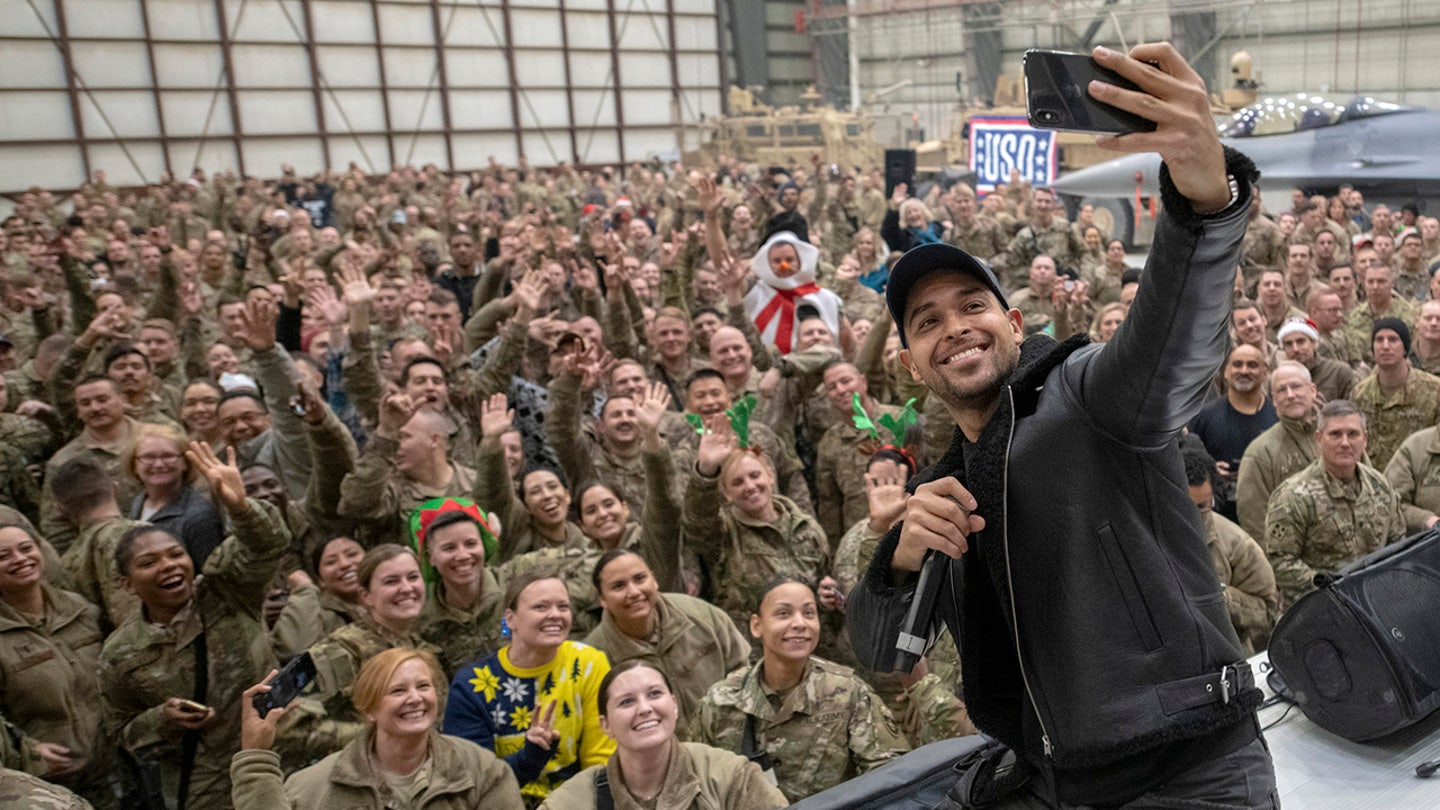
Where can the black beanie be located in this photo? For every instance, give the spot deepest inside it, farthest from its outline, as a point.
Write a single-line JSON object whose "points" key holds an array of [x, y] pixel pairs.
{"points": [[1395, 325]]}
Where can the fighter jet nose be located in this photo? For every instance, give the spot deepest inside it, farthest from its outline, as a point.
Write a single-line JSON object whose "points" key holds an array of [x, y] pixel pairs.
{"points": [[1114, 178]]}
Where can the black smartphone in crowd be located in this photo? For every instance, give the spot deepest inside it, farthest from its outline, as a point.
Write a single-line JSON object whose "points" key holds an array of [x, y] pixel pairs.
{"points": [[291, 682], [1057, 95]]}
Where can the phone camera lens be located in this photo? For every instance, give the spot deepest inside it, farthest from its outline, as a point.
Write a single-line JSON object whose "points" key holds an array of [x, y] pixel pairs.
{"points": [[1047, 116]]}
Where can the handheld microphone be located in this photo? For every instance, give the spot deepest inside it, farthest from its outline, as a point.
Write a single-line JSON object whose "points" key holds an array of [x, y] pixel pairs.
{"points": [[915, 631]]}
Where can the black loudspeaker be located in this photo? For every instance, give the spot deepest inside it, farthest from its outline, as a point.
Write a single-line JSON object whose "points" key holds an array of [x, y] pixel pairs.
{"points": [[1361, 652], [899, 168]]}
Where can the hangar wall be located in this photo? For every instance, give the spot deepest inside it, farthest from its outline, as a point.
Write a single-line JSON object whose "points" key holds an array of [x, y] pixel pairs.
{"points": [[1386, 48], [140, 87]]}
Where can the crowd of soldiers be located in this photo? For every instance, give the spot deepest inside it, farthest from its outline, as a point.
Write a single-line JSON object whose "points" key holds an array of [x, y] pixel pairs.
{"points": [[297, 379]]}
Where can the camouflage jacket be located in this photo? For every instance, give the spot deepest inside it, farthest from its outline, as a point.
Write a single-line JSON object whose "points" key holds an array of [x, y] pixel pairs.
{"points": [[382, 497], [1391, 417], [48, 687], [464, 634], [698, 776], [21, 790], [495, 493], [325, 720], [743, 553], [1249, 582], [143, 664], [840, 464], [1414, 474], [983, 238], [1361, 320], [694, 643], [1316, 523], [310, 615], [826, 730], [1285, 448]]}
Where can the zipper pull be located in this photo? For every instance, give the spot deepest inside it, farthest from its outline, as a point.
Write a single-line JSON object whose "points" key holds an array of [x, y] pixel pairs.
{"points": [[1045, 743]]}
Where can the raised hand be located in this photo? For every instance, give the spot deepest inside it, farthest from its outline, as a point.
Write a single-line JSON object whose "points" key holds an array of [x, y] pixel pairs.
{"points": [[1172, 95], [585, 277], [527, 295], [258, 316], [224, 476], [715, 444], [496, 417], [900, 193], [395, 410], [886, 495], [256, 732], [324, 301], [708, 192], [541, 731], [356, 287], [650, 407]]}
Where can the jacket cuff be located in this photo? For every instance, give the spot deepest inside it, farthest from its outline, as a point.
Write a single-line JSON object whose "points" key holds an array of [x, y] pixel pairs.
{"points": [[881, 578], [1237, 165]]}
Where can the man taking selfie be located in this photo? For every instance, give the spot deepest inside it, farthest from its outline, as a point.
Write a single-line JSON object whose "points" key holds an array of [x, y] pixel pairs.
{"points": [[1093, 632]]}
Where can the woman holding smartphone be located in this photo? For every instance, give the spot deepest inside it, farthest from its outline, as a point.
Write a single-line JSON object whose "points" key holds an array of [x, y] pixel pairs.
{"points": [[400, 760], [171, 678]]}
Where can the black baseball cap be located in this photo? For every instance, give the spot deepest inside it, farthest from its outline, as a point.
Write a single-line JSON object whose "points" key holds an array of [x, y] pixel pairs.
{"points": [[920, 262]]}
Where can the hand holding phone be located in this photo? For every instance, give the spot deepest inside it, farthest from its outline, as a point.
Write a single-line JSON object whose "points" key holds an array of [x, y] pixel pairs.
{"points": [[291, 682], [1057, 95]]}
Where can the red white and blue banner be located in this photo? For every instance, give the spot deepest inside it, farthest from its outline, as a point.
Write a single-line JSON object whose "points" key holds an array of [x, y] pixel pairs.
{"points": [[1001, 143]]}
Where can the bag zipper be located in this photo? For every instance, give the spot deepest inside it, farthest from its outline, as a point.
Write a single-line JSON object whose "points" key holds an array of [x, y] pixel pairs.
{"points": [[1010, 579]]}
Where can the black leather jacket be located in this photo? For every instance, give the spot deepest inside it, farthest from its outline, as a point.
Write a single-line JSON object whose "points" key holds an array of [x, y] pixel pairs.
{"points": [[1088, 612]]}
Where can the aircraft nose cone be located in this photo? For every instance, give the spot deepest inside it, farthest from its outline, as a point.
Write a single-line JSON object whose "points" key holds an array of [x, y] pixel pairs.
{"points": [[1114, 178]]}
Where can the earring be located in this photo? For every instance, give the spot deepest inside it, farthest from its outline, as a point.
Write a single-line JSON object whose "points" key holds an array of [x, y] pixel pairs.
{"points": [[504, 629]]}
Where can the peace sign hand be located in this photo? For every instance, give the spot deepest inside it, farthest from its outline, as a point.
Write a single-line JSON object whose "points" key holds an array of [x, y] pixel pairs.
{"points": [[541, 731]]}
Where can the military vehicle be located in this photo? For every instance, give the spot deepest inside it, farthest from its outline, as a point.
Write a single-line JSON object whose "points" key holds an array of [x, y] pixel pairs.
{"points": [[775, 136]]}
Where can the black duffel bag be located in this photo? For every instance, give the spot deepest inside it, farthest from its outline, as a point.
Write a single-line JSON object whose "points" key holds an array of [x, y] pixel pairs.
{"points": [[1361, 653]]}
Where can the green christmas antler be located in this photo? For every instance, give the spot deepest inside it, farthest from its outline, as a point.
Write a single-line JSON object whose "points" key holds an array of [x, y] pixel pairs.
{"points": [[739, 414], [862, 419], [696, 422], [897, 427]]}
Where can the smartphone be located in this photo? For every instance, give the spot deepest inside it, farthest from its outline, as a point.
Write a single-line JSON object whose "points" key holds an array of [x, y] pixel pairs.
{"points": [[198, 708], [1057, 95], [291, 682]]}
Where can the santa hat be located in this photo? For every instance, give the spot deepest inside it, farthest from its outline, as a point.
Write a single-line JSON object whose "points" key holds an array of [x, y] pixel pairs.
{"points": [[1301, 325]]}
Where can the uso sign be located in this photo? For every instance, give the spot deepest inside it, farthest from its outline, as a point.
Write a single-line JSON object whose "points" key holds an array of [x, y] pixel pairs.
{"points": [[1000, 144]]}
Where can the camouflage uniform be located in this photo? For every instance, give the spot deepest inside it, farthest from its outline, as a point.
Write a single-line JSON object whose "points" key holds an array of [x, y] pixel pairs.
{"points": [[48, 688], [840, 465], [1333, 379], [458, 775], [1055, 240], [860, 301], [1038, 310], [1285, 448], [982, 238], [789, 472], [930, 711], [35, 440], [655, 538], [694, 643], [24, 384], [143, 664], [1343, 345], [1361, 320], [21, 790], [698, 776], [1316, 524], [1105, 286], [309, 616], [383, 497], [829, 728], [1264, 249], [57, 528], [585, 457], [464, 634], [1247, 580], [325, 720], [1414, 474], [91, 563], [495, 493], [1391, 417], [744, 554]]}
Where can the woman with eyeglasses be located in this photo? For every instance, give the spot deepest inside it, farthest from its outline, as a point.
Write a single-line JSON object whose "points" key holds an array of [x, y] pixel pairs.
{"points": [[169, 498]]}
